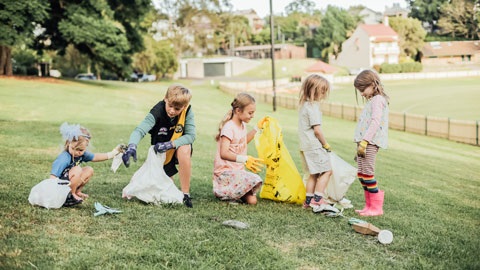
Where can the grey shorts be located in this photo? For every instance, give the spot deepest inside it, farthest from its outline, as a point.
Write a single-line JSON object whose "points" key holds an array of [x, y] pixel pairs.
{"points": [[316, 161]]}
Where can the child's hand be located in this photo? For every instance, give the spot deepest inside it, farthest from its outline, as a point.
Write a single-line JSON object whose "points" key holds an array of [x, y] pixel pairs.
{"points": [[261, 122], [362, 148], [117, 150], [327, 147], [254, 164], [131, 152], [162, 147]]}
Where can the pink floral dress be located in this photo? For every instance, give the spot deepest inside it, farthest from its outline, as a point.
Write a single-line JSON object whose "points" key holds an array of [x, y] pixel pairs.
{"points": [[230, 179]]}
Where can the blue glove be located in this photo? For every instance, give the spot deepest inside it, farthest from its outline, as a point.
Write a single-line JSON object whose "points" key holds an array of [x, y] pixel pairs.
{"points": [[162, 147], [131, 152]]}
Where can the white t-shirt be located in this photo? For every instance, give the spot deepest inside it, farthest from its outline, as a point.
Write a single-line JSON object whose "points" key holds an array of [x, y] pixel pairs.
{"points": [[309, 115]]}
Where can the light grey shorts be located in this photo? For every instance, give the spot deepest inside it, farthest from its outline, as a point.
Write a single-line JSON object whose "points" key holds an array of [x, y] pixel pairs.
{"points": [[316, 161]]}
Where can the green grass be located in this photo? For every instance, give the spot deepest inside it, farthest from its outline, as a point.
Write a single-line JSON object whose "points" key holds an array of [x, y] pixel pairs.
{"points": [[431, 186], [456, 98]]}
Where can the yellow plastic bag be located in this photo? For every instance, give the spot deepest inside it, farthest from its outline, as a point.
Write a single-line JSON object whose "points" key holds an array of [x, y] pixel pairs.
{"points": [[283, 182]]}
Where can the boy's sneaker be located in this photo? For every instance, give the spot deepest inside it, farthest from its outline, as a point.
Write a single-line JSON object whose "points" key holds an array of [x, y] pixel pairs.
{"points": [[187, 201]]}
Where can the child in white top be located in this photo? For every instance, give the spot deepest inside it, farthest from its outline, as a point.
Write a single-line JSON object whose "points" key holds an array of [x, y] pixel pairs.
{"points": [[230, 179], [313, 145], [371, 134]]}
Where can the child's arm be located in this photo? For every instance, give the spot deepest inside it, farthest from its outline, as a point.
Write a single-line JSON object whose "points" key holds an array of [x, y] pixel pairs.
{"points": [[378, 105], [251, 135], [317, 130], [106, 156]]}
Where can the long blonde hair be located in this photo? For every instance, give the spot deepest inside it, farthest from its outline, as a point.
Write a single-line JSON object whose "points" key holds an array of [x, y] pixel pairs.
{"points": [[367, 78], [241, 101], [314, 88]]}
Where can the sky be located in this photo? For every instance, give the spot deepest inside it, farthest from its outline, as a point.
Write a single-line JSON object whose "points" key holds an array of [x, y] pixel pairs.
{"points": [[262, 7]]}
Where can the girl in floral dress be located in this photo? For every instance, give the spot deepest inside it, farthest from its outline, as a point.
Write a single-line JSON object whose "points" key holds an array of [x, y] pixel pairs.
{"points": [[231, 181]]}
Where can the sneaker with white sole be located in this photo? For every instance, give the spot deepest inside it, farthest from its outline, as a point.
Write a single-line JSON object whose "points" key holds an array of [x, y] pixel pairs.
{"points": [[325, 208]]}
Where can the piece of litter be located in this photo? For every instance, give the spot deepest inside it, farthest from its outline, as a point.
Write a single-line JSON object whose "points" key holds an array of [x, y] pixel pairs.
{"points": [[235, 224], [103, 209], [385, 237]]}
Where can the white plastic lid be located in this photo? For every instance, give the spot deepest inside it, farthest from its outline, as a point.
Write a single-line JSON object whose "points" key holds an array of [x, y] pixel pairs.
{"points": [[385, 237]]}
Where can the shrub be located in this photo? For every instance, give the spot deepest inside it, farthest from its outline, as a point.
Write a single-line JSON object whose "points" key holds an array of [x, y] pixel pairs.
{"points": [[390, 68]]}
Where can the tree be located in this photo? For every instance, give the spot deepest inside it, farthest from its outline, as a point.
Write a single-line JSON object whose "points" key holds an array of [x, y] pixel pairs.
{"points": [[426, 11], [411, 35], [460, 18], [107, 31], [336, 26], [300, 6], [18, 20], [159, 57]]}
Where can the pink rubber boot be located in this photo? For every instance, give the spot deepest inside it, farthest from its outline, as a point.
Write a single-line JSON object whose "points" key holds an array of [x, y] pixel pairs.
{"points": [[367, 202], [376, 204]]}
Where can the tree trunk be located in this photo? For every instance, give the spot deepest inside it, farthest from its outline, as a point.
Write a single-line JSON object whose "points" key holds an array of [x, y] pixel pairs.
{"points": [[6, 61]]}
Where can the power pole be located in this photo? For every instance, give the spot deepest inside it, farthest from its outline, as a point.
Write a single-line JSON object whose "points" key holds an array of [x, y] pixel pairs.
{"points": [[272, 55]]}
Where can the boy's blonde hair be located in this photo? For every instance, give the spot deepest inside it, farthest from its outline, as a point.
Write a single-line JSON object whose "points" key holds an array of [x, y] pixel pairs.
{"points": [[367, 78], [178, 95], [314, 88], [241, 101]]}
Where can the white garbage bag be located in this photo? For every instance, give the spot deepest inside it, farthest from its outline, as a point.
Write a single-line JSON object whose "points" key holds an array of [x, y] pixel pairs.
{"points": [[343, 175], [49, 193], [151, 184]]}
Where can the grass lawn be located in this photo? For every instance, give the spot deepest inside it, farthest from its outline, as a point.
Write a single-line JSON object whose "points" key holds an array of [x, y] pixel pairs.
{"points": [[431, 187], [456, 98]]}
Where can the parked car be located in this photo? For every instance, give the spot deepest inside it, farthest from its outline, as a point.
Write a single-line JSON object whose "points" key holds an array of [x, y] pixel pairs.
{"points": [[85, 76], [140, 77]]}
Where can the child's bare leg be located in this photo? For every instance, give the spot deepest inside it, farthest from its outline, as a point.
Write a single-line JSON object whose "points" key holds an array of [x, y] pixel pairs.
{"points": [[74, 176], [249, 198], [322, 182], [185, 163], [86, 174]]}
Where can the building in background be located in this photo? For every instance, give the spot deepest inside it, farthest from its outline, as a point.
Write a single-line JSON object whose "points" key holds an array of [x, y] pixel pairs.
{"points": [[369, 45], [451, 52], [282, 51]]}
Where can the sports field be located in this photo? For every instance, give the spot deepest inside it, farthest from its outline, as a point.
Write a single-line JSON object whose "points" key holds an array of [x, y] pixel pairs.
{"points": [[431, 193]]}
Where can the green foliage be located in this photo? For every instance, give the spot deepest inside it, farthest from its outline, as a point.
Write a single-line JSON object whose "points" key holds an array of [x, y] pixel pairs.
{"points": [[336, 26], [411, 35], [426, 11], [18, 19], [422, 202], [106, 31], [24, 62], [411, 67], [460, 18], [390, 68], [401, 68]]}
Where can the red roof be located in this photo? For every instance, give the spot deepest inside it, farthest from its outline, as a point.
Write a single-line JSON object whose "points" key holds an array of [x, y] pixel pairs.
{"points": [[379, 30], [321, 67]]}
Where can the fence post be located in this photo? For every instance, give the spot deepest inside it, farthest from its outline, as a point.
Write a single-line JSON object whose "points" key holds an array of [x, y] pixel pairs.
{"points": [[448, 132], [426, 125], [404, 122], [477, 134]]}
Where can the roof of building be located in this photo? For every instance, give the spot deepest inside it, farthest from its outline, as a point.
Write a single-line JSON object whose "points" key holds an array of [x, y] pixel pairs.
{"points": [[321, 67], [378, 30], [451, 48], [263, 47]]}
